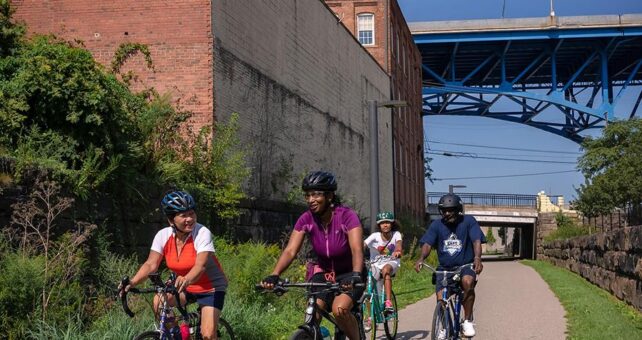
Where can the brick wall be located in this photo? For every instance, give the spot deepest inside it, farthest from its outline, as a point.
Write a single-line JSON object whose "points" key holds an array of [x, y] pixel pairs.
{"points": [[177, 33], [610, 260], [396, 52], [298, 79], [299, 82], [405, 71]]}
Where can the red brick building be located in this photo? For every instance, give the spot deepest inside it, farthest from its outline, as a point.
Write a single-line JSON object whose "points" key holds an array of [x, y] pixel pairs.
{"points": [[274, 63], [177, 33], [381, 28]]}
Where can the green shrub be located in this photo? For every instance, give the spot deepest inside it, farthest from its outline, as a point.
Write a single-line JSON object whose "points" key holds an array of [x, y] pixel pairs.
{"points": [[566, 228], [21, 285], [253, 314]]}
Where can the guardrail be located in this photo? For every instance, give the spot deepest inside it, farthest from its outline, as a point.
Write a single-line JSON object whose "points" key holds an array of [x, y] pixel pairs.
{"points": [[490, 199]]}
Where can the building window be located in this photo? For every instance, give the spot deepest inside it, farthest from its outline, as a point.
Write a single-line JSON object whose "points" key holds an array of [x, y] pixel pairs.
{"points": [[365, 28]]}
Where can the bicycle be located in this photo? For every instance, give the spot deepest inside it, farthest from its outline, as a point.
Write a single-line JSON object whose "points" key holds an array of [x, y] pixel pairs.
{"points": [[311, 329], [374, 299], [448, 316], [168, 327]]}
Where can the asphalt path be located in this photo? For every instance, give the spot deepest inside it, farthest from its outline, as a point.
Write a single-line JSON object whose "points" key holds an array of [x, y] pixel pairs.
{"points": [[512, 302]]}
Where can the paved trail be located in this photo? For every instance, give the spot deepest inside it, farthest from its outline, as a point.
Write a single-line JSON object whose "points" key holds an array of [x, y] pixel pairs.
{"points": [[513, 302]]}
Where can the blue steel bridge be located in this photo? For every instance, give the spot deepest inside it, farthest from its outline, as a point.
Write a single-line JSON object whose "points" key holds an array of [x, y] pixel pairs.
{"points": [[564, 75]]}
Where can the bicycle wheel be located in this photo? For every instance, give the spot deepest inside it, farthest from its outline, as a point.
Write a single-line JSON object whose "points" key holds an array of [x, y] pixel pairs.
{"points": [[374, 317], [148, 335], [366, 312], [301, 334], [440, 328], [224, 330], [391, 320]]}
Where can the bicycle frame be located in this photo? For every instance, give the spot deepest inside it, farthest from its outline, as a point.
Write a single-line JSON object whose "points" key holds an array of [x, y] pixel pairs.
{"points": [[376, 298], [311, 325], [162, 289], [452, 298]]}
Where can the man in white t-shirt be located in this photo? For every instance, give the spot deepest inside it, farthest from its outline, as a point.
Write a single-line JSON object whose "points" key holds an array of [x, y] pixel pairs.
{"points": [[386, 242]]}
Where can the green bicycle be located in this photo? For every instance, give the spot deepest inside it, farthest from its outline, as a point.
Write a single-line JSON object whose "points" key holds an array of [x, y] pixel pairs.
{"points": [[374, 313]]}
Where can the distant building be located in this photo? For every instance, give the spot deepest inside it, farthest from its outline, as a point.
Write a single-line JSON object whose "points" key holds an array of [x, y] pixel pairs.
{"points": [[381, 28]]}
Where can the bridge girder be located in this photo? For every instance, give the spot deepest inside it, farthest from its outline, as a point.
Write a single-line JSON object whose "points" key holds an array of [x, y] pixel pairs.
{"points": [[533, 71]]}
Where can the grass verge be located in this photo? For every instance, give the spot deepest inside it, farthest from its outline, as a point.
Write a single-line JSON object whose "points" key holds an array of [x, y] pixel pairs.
{"points": [[591, 312]]}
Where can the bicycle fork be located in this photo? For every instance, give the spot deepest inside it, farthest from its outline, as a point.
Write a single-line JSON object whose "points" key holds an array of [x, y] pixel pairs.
{"points": [[310, 324]]}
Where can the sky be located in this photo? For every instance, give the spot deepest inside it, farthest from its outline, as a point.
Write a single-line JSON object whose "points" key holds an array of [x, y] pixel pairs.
{"points": [[495, 138]]}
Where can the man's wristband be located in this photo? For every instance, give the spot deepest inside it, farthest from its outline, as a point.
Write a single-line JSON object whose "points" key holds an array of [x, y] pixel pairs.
{"points": [[477, 258]]}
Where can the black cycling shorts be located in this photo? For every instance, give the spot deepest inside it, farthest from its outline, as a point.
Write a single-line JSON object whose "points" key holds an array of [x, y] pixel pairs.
{"points": [[328, 297], [214, 299]]}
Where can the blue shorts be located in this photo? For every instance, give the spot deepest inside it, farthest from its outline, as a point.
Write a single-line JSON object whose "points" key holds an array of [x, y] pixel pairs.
{"points": [[466, 271], [213, 299]]}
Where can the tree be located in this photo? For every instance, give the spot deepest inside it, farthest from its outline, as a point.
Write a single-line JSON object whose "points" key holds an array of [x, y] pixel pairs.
{"points": [[612, 168], [490, 237], [427, 169], [10, 33], [502, 234]]}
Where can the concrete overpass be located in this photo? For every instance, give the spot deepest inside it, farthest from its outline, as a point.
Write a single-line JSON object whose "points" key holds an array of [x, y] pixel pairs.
{"points": [[521, 213]]}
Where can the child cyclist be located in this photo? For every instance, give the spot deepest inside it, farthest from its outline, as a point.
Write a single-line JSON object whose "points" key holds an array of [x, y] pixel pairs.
{"points": [[385, 242]]}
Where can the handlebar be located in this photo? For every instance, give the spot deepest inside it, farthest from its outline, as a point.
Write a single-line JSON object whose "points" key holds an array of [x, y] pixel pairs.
{"points": [[379, 258], [159, 287], [456, 271], [281, 287]]}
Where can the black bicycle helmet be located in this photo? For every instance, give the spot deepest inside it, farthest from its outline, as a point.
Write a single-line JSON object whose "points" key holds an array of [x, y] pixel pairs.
{"points": [[176, 202], [450, 201], [319, 180]]}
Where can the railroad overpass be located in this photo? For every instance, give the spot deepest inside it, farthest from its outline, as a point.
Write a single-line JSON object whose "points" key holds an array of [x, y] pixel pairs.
{"points": [[527, 215]]}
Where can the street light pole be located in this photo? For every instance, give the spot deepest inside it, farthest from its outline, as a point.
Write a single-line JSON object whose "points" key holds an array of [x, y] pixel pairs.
{"points": [[373, 107], [374, 163], [451, 187]]}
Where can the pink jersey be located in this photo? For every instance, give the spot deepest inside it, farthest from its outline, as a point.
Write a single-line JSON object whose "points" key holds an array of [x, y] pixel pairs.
{"points": [[331, 247]]}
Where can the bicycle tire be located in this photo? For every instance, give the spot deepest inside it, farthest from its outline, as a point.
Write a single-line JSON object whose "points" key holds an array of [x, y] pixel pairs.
{"points": [[224, 330], [391, 321], [374, 307], [301, 334], [150, 335], [367, 321], [440, 321]]}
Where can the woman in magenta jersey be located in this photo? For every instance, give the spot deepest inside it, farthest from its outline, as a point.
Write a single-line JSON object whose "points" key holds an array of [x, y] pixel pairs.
{"points": [[336, 236], [188, 250]]}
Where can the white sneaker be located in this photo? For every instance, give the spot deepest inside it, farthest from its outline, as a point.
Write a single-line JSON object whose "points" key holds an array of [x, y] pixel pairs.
{"points": [[441, 335], [468, 328]]}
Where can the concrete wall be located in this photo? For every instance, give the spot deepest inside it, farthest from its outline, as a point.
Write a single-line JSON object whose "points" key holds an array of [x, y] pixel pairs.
{"points": [[610, 260], [300, 83]]}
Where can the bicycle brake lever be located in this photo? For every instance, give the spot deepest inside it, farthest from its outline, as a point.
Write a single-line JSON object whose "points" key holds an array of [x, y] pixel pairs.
{"points": [[279, 290]]}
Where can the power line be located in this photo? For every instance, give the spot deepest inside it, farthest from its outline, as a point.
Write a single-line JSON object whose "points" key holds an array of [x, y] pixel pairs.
{"points": [[504, 148], [503, 176], [500, 154], [448, 154]]}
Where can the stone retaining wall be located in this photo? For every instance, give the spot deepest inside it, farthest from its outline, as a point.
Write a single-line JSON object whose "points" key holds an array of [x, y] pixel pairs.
{"points": [[611, 260]]}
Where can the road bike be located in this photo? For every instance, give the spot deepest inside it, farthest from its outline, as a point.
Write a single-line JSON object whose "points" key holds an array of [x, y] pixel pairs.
{"points": [[448, 315], [168, 327], [311, 329], [373, 306]]}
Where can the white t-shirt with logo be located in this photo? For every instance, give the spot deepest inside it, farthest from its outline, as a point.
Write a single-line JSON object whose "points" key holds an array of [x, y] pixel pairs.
{"points": [[379, 246], [376, 243]]}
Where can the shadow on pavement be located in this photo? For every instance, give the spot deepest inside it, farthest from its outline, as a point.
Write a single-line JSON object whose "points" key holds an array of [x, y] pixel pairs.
{"points": [[413, 335]]}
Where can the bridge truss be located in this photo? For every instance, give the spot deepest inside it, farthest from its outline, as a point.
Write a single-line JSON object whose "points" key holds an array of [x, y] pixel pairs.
{"points": [[522, 70]]}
